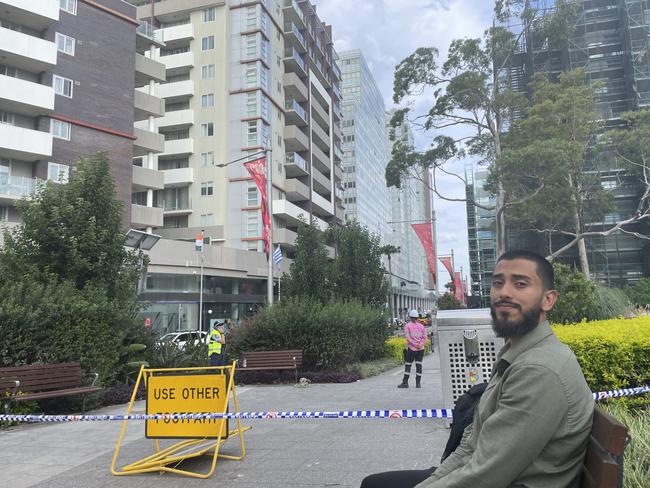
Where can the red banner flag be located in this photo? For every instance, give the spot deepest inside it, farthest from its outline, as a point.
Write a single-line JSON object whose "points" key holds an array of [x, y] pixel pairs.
{"points": [[257, 170], [446, 262], [458, 287], [424, 233]]}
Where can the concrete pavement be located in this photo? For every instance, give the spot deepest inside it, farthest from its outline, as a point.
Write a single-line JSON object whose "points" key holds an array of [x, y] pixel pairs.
{"points": [[280, 453]]}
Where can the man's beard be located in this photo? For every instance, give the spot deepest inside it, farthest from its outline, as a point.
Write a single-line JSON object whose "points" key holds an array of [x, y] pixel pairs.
{"points": [[506, 327]]}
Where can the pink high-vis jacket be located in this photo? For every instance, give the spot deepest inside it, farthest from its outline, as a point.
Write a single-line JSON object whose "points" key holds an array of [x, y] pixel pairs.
{"points": [[416, 335]]}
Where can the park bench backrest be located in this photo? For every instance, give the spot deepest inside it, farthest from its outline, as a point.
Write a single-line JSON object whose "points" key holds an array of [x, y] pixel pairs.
{"points": [[36, 378], [288, 359], [603, 466]]}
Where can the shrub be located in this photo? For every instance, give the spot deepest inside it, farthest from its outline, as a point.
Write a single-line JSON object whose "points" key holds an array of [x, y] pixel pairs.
{"points": [[611, 303], [640, 293], [394, 348], [331, 335], [273, 377], [120, 394], [577, 299], [448, 302], [613, 354]]}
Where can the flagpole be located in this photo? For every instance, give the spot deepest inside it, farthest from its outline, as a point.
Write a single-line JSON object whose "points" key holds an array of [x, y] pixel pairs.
{"points": [[201, 286], [269, 205]]}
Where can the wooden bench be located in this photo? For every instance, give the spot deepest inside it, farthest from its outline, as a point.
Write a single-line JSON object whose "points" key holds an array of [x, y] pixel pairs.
{"points": [[603, 465], [36, 382], [271, 360]]}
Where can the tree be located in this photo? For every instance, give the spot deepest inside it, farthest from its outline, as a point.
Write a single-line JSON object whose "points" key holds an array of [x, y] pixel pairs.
{"points": [[310, 271], [69, 286], [640, 292], [448, 302], [547, 149], [388, 250], [357, 271], [470, 97]]}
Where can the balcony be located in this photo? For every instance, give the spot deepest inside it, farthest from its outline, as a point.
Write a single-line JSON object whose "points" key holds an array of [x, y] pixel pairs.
{"points": [[176, 91], [293, 13], [294, 62], [294, 87], [179, 119], [338, 172], [295, 165], [14, 188], [178, 63], [35, 15], [337, 72], [171, 10], [177, 35], [336, 132], [147, 69], [178, 177], [177, 207], [294, 113], [147, 179], [322, 206], [293, 214], [336, 111], [142, 217], [293, 37], [146, 36], [338, 154], [320, 160], [285, 237], [146, 105], [26, 52], [295, 140], [295, 190], [320, 138], [319, 114], [321, 182], [25, 97], [337, 91], [338, 193], [178, 148], [24, 144], [146, 142]]}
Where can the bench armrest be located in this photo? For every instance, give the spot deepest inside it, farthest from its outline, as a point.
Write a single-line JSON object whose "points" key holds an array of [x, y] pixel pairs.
{"points": [[95, 378]]}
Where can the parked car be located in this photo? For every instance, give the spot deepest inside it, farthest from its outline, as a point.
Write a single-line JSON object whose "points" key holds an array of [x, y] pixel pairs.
{"points": [[182, 338]]}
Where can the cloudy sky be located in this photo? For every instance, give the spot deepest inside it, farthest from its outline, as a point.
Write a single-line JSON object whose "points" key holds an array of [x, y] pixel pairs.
{"points": [[387, 31]]}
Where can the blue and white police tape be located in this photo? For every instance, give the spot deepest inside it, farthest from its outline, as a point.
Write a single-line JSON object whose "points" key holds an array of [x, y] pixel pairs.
{"points": [[436, 413], [439, 413]]}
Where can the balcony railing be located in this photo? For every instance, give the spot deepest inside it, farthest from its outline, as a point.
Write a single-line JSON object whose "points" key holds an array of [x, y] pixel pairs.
{"points": [[295, 106], [17, 186], [179, 205], [295, 55], [297, 159], [147, 30], [299, 36]]}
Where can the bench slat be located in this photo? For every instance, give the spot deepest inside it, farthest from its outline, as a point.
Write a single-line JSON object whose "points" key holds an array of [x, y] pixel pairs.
{"points": [[269, 360], [57, 393], [609, 432]]}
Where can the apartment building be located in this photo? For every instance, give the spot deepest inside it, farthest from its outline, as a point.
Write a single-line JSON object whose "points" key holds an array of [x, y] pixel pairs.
{"points": [[63, 94], [412, 284], [241, 78]]}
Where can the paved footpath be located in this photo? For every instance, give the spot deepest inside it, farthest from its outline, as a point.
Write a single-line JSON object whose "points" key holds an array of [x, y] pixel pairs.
{"points": [[280, 453]]}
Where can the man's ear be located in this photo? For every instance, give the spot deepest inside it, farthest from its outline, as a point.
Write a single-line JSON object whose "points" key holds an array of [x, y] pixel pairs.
{"points": [[550, 297]]}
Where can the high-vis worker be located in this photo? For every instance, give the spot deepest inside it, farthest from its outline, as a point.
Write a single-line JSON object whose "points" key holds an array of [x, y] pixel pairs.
{"points": [[216, 343]]}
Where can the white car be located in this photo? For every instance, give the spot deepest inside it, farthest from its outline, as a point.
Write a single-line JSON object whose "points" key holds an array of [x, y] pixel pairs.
{"points": [[182, 338]]}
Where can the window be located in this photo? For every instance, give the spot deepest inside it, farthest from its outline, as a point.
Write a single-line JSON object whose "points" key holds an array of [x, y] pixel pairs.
{"points": [[58, 173], [251, 46], [251, 224], [207, 159], [251, 75], [207, 130], [207, 71], [207, 188], [7, 118], [207, 219], [8, 71], [252, 133], [207, 43], [264, 107], [64, 43], [60, 129], [207, 100], [251, 104], [62, 86], [251, 194], [251, 18], [69, 6], [280, 141], [208, 14], [4, 214], [251, 245]]}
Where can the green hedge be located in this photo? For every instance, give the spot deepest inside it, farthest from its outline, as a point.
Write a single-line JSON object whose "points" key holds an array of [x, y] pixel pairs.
{"points": [[331, 335], [394, 348], [613, 353]]}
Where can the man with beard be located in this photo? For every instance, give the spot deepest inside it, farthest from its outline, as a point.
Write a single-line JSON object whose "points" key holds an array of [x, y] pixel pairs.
{"points": [[532, 423]]}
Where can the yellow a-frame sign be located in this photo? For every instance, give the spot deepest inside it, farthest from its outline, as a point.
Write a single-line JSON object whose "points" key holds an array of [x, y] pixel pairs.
{"points": [[184, 390]]}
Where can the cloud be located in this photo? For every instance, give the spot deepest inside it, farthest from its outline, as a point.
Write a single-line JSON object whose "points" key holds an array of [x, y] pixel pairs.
{"points": [[387, 31]]}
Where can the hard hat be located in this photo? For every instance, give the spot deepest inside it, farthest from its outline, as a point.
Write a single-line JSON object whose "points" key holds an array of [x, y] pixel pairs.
{"points": [[414, 314]]}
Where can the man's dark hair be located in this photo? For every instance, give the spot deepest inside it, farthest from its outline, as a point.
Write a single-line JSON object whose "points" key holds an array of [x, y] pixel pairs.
{"points": [[544, 268]]}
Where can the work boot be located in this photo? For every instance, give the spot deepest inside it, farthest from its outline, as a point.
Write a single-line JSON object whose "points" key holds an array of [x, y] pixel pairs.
{"points": [[403, 385], [417, 384]]}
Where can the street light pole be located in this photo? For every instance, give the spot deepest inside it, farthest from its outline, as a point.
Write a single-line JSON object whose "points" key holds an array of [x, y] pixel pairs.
{"points": [[269, 209]]}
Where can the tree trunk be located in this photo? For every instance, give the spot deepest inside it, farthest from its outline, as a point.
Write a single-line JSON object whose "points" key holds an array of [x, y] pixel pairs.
{"points": [[500, 220], [577, 228]]}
